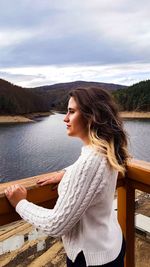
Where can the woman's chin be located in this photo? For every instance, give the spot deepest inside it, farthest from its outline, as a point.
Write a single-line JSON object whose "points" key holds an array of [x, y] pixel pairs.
{"points": [[69, 133]]}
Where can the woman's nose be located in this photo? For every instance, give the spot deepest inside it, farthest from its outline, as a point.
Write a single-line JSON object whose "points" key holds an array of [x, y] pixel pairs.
{"points": [[66, 118]]}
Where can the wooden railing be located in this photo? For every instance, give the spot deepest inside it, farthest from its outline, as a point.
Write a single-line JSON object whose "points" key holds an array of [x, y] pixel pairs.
{"points": [[137, 177]]}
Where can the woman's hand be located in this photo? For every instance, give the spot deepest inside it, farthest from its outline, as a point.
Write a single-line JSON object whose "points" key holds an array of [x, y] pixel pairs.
{"points": [[15, 193], [52, 178]]}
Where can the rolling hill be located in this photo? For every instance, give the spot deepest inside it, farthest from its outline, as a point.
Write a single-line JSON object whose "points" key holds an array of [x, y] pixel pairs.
{"points": [[17, 100]]}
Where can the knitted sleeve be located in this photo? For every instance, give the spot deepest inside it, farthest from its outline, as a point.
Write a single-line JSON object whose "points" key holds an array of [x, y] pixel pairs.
{"points": [[68, 168], [85, 178]]}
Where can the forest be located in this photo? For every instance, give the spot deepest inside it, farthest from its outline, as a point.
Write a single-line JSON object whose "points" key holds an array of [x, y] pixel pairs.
{"points": [[15, 100], [134, 98]]}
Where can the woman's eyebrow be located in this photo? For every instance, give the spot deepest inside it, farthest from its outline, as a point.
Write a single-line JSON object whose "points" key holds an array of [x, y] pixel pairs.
{"points": [[71, 109]]}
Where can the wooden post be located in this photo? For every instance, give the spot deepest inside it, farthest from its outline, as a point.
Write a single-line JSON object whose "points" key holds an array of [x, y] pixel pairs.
{"points": [[126, 208]]}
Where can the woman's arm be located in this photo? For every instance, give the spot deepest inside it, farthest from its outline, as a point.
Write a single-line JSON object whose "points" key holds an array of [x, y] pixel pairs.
{"points": [[85, 179]]}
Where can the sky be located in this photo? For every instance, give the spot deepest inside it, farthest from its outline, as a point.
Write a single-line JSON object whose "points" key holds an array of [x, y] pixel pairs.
{"points": [[53, 41]]}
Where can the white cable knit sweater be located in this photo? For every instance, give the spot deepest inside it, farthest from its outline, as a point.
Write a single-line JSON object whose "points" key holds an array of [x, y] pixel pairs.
{"points": [[83, 214]]}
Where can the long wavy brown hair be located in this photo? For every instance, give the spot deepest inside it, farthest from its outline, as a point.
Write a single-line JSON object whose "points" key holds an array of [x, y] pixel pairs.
{"points": [[106, 131]]}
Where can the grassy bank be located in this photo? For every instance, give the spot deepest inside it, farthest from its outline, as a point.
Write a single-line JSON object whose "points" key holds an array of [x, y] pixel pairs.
{"points": [[33, 116], [13, 119]]}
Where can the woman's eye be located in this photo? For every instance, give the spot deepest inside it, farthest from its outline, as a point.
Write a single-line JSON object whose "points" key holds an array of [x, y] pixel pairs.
{"points": [[71, 111]]}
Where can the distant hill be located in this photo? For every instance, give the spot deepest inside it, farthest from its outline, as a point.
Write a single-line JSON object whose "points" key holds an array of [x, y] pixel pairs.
{"points": [[17, 100], [134, 98], [73, 85], [56, 96]]}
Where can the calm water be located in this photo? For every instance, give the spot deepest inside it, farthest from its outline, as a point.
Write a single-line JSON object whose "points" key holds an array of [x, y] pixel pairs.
{"points": [[34, 148]]}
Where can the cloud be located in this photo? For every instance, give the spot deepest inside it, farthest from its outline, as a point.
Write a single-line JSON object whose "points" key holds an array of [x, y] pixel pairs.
{"points": [[74, 33], [18, 77], [6, 38], [36, 76]]}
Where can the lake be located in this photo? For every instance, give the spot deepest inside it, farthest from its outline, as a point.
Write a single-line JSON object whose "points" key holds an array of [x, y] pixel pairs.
{"points": [[30, 149]]}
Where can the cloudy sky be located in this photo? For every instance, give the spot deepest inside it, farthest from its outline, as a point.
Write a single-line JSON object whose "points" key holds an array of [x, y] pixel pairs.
{"points": [[51, 41]]}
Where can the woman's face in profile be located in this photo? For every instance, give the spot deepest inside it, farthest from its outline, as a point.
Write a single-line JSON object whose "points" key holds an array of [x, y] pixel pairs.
{"points": [[76, 125]]}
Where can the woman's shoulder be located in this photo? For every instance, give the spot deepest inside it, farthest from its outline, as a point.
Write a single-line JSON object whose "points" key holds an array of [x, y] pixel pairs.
{"points": [[90, 150], [90, 156]]}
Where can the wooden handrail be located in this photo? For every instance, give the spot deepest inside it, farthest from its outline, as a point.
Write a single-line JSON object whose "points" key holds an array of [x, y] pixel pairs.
{"points": [[137, 177], [139, 171], [44, 196]]}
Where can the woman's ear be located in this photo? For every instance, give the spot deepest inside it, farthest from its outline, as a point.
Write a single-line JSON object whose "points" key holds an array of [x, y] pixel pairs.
{"points": [[89, 124]]}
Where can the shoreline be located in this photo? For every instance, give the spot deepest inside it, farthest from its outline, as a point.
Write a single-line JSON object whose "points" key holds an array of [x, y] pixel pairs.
{"points": [[134, 115], [34, 116], [14, 119]]}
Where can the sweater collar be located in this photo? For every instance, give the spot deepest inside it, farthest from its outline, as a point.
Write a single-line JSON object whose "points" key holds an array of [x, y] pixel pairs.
{"points": [[86, 149]]}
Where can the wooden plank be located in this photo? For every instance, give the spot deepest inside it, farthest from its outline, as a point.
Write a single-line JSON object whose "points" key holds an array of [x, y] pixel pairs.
{"points": [[20, 228], [48, 256], [139, 171], [10, 259], [140, 186]]}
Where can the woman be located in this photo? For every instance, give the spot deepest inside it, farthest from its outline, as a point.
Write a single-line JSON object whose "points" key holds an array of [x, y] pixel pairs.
{"points": [[84, 214]]}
